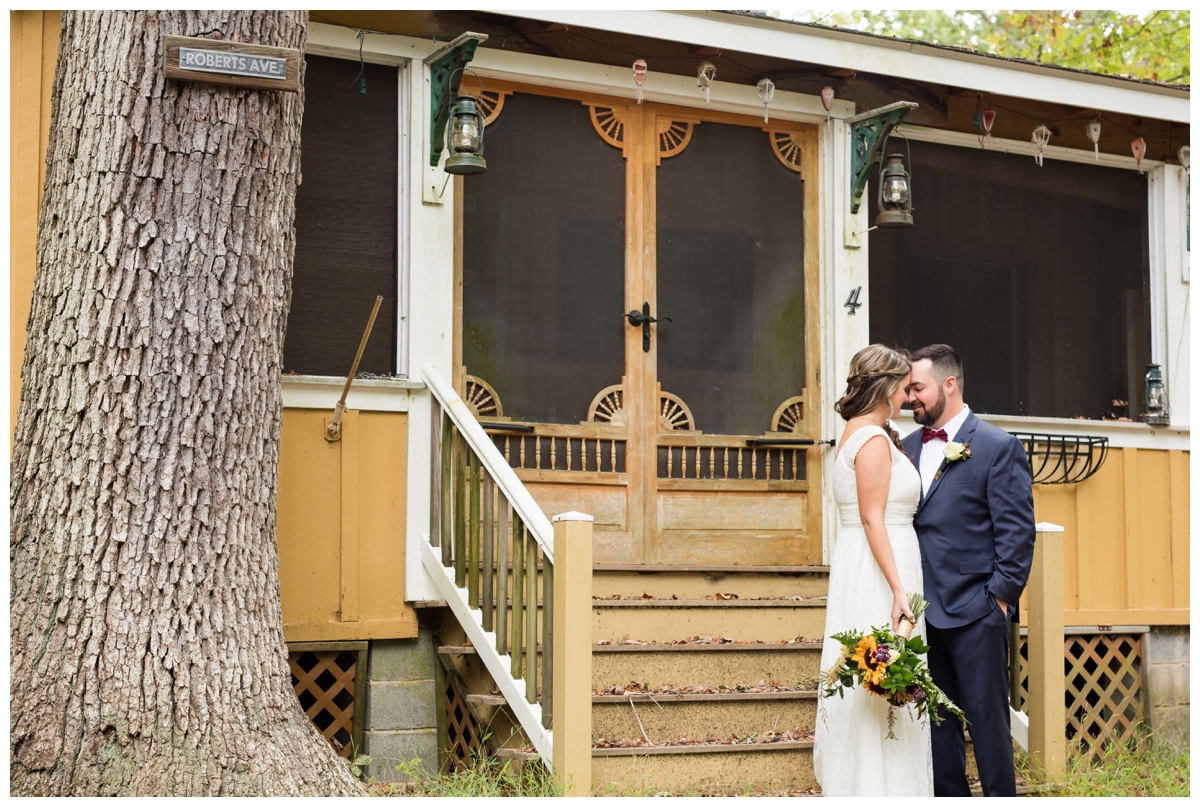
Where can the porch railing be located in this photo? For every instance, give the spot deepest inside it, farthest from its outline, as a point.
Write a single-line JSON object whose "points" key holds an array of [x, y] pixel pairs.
{"points": [[484, 522]]}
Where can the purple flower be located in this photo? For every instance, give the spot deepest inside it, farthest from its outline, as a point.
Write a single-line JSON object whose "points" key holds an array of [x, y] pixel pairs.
{"points": [[917, 693], [882, 653]]}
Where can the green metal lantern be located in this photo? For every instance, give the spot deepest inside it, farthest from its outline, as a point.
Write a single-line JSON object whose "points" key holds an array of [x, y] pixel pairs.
{"points": [[466, 138], [895, 194], [1155, 408]]}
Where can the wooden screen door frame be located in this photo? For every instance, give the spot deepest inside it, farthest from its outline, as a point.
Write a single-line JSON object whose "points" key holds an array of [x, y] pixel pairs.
{"points": [[635, 129], [666, 131]]}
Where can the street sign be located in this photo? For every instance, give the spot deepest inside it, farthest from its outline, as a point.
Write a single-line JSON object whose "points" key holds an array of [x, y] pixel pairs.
{"points": [[233, 64]]}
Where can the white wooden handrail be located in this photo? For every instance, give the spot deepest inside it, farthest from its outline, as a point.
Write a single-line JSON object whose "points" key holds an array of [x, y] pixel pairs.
{"points": [[500, 471]]}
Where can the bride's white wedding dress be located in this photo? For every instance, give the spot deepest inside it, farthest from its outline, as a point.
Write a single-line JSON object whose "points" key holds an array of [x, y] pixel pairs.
{"points": [[851, 755]]}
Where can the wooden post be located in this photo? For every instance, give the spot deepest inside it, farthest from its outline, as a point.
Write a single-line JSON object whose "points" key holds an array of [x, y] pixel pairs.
{"points": [[572, 648], [1047, 713]]}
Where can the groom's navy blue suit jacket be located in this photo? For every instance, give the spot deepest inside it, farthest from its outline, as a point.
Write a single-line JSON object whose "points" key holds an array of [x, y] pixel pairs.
{"points": [[975, 525]]}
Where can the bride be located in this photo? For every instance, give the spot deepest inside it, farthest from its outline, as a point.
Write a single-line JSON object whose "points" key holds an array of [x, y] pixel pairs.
{"points": [[875, 564]]}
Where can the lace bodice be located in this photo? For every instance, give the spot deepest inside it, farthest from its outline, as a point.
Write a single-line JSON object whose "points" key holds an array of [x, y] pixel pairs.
{"points": [[904, 489]]}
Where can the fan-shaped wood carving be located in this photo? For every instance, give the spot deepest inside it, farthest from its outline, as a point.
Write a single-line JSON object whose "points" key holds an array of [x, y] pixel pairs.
{"points": [[482, 399], [491, 102], [673, 414], [673, 137], [787, 149], [789, 417], [608, 406], [609, 123]]}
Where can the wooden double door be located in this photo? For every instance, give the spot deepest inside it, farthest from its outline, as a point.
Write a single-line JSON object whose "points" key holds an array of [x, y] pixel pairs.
{"points": [[688, 436]]}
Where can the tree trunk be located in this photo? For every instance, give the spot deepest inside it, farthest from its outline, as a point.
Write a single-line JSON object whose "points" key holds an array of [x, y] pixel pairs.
{"points": [[147, 643]]}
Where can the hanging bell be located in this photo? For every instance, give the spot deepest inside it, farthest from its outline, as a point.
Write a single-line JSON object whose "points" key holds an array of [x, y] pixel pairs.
{"points": [[705, 77], [1093, 133], [1041, 136], [1138, 147], [766, 94], [827, 100], [987, 118], [639, 76]]}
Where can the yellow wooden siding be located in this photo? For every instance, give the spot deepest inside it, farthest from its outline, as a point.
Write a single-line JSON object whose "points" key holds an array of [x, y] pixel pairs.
{"points": [[33, 52], [1126, 551], [341, 527]]}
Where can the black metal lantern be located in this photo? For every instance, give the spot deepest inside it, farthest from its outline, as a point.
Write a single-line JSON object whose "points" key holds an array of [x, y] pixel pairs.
{"points": [[895, 194], [466, 138], [1155, 409]]}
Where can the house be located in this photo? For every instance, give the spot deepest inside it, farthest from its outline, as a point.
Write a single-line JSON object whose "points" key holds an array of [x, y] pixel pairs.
{"points": [[649, 301]]}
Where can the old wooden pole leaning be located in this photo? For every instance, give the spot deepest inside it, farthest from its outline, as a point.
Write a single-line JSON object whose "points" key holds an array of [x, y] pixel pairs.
{"points": [[572, 677], [1047, 714]]}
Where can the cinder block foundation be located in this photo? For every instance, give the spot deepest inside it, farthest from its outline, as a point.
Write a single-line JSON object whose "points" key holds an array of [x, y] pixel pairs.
{"points": [[1166, 670], [401, 720]]}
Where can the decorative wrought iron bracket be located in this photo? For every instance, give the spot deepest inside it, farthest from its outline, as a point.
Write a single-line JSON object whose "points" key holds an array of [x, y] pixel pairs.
{"points": [[1062, 459], [868, 132], [443, 64]]}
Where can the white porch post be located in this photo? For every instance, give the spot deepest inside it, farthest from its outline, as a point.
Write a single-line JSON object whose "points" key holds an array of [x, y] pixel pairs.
{"points": [[1170, 285], [843, 269], [430, 320]]}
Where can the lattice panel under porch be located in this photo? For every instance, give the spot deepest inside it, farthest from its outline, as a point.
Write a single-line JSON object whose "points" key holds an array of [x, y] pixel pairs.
{"points": [[730, 462], [462, 732], [553, 453], [1103, 688], [323, 680]]}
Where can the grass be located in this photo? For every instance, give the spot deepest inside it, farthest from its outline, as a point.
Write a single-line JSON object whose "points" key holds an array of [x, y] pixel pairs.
{"points": [[1122, 771], [483, 777]]}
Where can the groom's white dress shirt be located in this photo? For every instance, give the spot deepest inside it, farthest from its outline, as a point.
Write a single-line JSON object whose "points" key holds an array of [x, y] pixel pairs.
{"points": [[933, 452]]}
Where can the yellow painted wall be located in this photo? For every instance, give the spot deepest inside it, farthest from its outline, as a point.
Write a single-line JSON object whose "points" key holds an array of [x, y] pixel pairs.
{"points": [[33, 52], [341, 527], [1125, 551]]}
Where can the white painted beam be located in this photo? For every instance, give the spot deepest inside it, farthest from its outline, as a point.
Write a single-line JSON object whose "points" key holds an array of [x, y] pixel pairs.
{"points": [[851, 51]]}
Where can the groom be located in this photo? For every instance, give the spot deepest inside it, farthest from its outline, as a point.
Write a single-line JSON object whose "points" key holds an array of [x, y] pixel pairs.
{"points": [[975, 528]]}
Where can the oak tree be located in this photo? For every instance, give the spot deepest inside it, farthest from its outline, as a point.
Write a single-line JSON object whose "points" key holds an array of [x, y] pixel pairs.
{"points": [[147, 648]]}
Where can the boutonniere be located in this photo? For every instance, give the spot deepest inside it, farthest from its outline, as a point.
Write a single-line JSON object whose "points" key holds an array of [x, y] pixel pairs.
{"points": [[955, 452]]}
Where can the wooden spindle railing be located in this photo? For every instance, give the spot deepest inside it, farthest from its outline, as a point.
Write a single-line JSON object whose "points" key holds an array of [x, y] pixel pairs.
{"points": [[482, 522]]}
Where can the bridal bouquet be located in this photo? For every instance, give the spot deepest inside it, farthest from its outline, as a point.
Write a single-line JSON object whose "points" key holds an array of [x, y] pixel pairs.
{"points": [[889, 665]]}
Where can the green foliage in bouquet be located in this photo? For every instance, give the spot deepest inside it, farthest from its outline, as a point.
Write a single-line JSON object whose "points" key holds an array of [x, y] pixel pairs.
{"points": [[889, 665]]}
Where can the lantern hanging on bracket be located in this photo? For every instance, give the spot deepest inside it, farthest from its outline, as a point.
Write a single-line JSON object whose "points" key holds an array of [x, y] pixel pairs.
{"points": [[705, 77], [1155, 409], [827, 100], [465, 134], [639, 76], [895, 192], [1041, 136], [1093, 133], [766, 94], [1138, 147]]}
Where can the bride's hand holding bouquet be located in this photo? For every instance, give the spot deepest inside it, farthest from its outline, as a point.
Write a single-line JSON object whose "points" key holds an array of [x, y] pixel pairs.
{"points": [[888, 663]]}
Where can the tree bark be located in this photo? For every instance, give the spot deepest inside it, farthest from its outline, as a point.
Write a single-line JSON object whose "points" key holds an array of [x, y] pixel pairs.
{"points": [[147, 650]]}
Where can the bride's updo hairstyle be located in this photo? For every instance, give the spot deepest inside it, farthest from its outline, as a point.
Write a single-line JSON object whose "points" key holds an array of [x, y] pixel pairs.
{"points": [[875, 373]]}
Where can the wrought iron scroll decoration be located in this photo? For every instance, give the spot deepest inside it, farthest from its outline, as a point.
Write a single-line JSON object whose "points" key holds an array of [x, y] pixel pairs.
{"points": [[1060, 459]]}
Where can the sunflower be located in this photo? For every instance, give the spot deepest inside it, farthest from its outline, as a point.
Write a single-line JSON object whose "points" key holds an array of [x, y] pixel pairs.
{"points": [[873, 670]]}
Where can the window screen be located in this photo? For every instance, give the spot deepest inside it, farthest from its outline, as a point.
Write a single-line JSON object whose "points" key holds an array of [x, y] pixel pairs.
{"points": [[346, 228], [1037, 276], [544, 261], [731, 276]]}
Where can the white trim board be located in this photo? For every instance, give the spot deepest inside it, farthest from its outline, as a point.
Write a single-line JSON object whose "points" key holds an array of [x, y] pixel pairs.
{"points": [[1022, 147], [1120, 434], [366, 394], [849, 50]]}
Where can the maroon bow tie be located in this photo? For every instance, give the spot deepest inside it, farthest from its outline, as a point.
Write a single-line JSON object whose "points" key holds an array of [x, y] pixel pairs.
{"points": [[930, 434]]}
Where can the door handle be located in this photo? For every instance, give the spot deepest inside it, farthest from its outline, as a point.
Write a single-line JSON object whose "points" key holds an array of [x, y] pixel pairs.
{"points": [[644, 319]]}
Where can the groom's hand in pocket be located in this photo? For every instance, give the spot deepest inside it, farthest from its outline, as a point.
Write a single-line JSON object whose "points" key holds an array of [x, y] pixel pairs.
{"points": [[1003, 606]]}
